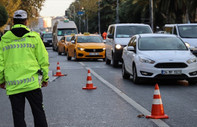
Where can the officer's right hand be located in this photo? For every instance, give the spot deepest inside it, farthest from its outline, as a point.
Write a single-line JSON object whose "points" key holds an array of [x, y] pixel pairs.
{"points": [[2, 85], [44, 84]]}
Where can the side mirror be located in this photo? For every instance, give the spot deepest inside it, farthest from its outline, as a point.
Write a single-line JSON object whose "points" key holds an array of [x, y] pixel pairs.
{"points": [[73, 41], [130, 48], [110, 36]]}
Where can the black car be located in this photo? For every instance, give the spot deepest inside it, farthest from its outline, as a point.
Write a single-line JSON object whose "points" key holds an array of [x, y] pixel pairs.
{"points": [[47, 39]]}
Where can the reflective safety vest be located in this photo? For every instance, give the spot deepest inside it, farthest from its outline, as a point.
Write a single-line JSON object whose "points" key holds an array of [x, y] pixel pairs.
{"points": [[20, 60]]}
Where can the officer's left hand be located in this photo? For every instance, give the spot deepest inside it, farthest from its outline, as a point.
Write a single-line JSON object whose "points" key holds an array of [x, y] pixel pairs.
{"points": [[2, 85]]}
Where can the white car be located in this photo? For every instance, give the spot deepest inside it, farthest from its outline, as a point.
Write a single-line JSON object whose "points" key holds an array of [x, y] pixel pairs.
{"points": [[158, 56]]}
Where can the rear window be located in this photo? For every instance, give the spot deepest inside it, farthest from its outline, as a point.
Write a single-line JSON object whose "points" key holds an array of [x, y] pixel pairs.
{"points": [[129, 31]]}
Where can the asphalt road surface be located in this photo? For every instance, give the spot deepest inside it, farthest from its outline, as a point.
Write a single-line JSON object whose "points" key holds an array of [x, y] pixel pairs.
{"points": [[115, 103]]}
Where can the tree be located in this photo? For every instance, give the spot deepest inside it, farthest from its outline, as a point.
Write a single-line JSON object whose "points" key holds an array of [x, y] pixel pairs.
{"points": [[3, 15]]}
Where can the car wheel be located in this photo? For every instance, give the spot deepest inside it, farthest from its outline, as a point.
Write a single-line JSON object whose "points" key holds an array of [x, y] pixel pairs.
{"points": [[107, 61], [59, 53], [192, 81], [75, 56], [125, 74], [114, 62], [68, 57], [65, 53], [136, 79]]}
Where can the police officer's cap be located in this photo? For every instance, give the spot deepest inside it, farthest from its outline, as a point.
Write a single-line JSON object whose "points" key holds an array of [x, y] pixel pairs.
{"points": [[20, 14]]}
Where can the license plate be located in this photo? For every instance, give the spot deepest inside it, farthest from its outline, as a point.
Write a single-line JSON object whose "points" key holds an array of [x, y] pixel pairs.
{"points": [[94, 54], [171, 72]]}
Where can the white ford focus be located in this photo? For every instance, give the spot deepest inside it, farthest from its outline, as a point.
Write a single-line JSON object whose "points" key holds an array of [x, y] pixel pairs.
{"points": [[158, 56]]}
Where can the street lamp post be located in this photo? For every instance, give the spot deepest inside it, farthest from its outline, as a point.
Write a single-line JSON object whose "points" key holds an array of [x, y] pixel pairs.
{"points": [[117, 14], [151, 13], [74, 12], [99, 25]]}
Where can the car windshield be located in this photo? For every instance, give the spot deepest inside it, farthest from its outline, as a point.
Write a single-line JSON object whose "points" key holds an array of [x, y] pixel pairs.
{"points": [[62, 32], [47, 36], [129, 31], [89, 39], [68, 38], [161, 43], [188, 31]]}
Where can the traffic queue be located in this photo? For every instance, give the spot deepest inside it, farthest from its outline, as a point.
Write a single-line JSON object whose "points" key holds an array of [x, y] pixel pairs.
{"points": [[142, 53]]}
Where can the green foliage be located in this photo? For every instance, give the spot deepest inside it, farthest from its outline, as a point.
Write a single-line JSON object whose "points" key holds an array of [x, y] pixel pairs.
{"points": [[3, 15]]}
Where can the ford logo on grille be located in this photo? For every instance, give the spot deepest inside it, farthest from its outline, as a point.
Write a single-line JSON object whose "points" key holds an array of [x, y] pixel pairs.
{"points": [[94, 50]]}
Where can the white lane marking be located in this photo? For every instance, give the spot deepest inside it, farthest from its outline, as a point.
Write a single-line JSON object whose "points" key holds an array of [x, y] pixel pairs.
{"points": [[140, 108], [51, 77]]}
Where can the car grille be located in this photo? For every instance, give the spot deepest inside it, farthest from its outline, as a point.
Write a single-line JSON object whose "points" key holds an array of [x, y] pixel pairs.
{"points": [[171, 65], [94, 56], [49, 41], [94, 50]]}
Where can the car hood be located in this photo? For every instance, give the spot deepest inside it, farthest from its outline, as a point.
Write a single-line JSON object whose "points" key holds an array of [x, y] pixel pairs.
{"points": [[122, 41], [91, 45], [167, 55]]}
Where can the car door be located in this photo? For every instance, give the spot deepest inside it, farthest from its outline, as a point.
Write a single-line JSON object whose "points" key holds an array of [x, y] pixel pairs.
{"points": [[131, 54], [61, 44], [71, 46], [109, 42]]}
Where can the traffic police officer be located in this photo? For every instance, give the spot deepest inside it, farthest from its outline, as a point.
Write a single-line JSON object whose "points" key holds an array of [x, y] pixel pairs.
{"points": [[22, 55]]}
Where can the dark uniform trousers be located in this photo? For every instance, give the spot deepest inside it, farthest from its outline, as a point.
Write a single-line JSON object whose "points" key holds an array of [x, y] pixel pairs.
{"points": [[35, 99]]}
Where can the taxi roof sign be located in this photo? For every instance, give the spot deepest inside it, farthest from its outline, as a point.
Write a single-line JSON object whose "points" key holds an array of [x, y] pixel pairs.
{"points": [[66, 20], [86, 33]]}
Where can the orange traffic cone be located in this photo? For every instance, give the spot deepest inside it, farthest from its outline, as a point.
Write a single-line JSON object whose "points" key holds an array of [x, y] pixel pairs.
{"points": [[58, 72], [157, 106], [89, 84]]}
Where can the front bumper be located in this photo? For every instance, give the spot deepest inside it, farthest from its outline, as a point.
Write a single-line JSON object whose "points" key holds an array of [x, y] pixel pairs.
{"points": [[90, 55], [149, 71]]}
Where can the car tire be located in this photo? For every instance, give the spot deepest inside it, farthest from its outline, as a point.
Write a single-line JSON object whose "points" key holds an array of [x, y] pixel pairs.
{"points": [[125, 74], [59, 53], [192, 82], [75, 56], [114, 62], [68, 57], [136, 79], [65, 53], [107, 61]]}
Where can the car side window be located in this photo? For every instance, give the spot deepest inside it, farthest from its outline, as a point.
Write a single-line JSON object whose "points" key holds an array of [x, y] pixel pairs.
{"points": [[111, 30], [175, 30], [62, 39], [132, 42]]}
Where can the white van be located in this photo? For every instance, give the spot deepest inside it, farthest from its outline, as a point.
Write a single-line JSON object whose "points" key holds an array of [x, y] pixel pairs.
{"points": [[187, 32], [61, 28], [118, 36]]}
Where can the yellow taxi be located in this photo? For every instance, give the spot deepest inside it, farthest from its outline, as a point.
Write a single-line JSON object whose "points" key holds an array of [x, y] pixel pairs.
{"points": [[63, 44], [86, 46]]}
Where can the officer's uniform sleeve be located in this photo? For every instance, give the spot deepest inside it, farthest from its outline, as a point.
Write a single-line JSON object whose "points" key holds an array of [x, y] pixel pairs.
{"points": [[1, 64], [43, 58]]}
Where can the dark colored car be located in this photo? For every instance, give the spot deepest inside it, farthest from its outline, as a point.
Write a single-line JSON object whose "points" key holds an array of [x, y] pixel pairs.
{"points": [[47, 39]]}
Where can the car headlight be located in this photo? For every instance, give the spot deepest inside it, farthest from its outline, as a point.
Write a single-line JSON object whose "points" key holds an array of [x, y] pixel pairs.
{"points": [[192, 60], [103, 49], [146, 60], [81, 49], [118, 46]]}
